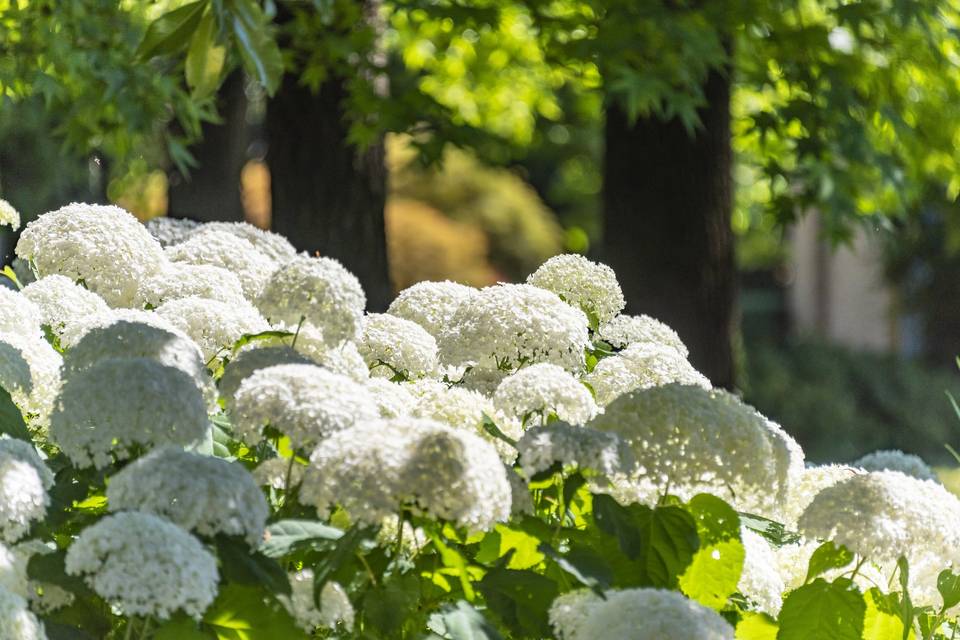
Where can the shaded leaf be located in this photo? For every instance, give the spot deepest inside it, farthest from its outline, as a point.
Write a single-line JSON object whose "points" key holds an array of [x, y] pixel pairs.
{"points": [[170, 32], [823, 610], [288, 535]]}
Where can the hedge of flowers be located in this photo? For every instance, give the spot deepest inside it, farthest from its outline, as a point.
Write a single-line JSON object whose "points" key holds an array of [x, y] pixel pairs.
{"points": [[206, 436]]}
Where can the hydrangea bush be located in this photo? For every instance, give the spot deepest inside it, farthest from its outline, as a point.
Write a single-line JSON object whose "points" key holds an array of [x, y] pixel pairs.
{"points": [[205, 436]]}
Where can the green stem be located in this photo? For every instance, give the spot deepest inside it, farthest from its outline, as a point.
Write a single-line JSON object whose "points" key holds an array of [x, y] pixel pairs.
{"points": [[296, 334], [128, 634], [145, 628], [399, 542], [286, 480]]}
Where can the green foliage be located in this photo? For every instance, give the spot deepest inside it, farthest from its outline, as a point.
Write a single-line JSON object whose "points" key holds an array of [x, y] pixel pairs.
{"points": [[823, 610]]}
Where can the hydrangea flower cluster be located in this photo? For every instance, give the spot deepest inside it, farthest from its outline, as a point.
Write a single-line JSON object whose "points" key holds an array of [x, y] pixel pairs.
{"points": [[892, 460], [431, 304], [543, 390], [591, 287], [392, 346]]}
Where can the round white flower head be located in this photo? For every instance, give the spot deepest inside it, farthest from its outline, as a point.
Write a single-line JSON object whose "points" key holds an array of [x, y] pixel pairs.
{"points": [[250, 360], [431, 304], [169, 231], [589, 286], [18, 314], [335, 607], [13, 570], [625, 330], [30, 372], [74, 331], [201, 493], [394, 400], [883, 515], [635, 614], [17, 622], [303, 401], [134, 339], [24, 482], [182, 280], [534, 393], [102, 245], [343, 358], [61, 301], [375, 467], [600, 451], [272, 245], [808, 483], [509, 325], [119, 403], [320, 290], [273, 473], [760, 580], [8, 215], [221, 249], [641, 366], [145, 566], [482, 380], [394, 346], [214, 325], [893, 460], [687, 439]]}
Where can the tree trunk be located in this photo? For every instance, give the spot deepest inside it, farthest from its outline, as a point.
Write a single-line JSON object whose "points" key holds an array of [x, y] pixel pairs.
{"points": [[212, 190], [667, 201], [328, 196]]}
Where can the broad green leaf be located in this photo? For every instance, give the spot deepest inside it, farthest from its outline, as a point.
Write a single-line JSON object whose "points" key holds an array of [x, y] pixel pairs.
{"points": [[171, 32], [181, 627], [881, 621], [243, 612], [520, 599], [388, 607], [948, 584], [773, 531], [258, 48], [11, 420], [454, 560], [502, 540], [461, 621], [240, 564], [713, 575], [827, 556], [588, 567], [823, 610], [205, 59], [345, 547], [288, 535], [756, 626]]}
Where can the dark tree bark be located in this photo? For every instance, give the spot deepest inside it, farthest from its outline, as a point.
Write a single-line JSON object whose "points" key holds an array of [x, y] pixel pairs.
{"points": [[212, 190], [667, 201], [328, 196]]}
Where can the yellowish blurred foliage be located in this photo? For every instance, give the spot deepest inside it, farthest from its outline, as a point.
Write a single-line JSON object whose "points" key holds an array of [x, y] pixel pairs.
{"points": [[255, 193], [424, 244], [142, 193]]}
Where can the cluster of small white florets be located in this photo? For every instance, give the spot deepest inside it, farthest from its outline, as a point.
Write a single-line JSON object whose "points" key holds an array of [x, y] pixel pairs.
{"points": [[214, 325], [641, 366], [635, 614], [24, 482], [392, 346], [539, 391], [893, 460], [625, 330], [606, 453], [760, 581], [589, 286], [30, 373], [431, 304], [62, 302], [223, 249], [182, 280], [200, 493], [16, 620], [335, 607], [170, 231], [145, 566], [8, 215]]}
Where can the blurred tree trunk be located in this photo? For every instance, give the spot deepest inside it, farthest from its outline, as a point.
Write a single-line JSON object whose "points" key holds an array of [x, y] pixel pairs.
{"points": [[667, 202], [212, 190]]}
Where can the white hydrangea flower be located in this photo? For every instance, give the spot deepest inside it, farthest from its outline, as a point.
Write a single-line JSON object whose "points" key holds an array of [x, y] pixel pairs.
{"points": [[24, 482], [589, 286], [251, 359], [145, 566], [600, 451], [61, 301], [135, 339], [808, 483], [8, 215], [303, 401], [214, 325], [13, 571], [521, 502], [75, 330], [641, 366], [412, 539], [543, 389], [183, 280], [431, 304], [170, 231], [509, 325], [221, 249], [893, 460], [883, 515], [760, 581], [343, 358], [43, 597], [102, 245], [335, 607], [18, 314], [687, 439], [624, 330], [200, 493], [30, 372], [320, 290], [118, 404], [273, 245], [17, 622], [375, 467], [789, 459], [394, 400], [481, 380], [390, 345], [635, 614], [273, 473]]}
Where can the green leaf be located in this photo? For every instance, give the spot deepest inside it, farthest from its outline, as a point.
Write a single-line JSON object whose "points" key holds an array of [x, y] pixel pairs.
{"points": [[520, 599], [289, 535], [948, 584], [11, 420], [346, 545], [502, 540], [205, 59], [460, 621], [388, 607], [714, 573], [881, 620], [240, 564], [588, 567], [249, 338], [756, 626], [773, 531], [258, 49], [491, 427], [823, 610], [181, 627], [170, 33], [828, 556], [243, 612]]}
